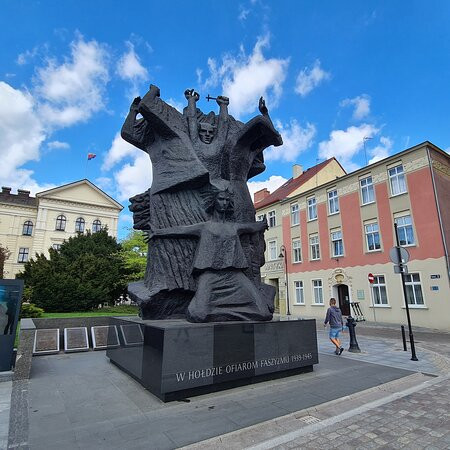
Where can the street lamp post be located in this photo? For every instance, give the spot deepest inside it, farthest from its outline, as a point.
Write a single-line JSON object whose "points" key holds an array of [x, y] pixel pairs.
{"points": [[283, 254]]}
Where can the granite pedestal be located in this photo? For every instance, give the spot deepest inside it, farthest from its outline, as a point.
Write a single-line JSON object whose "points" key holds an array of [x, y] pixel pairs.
{"points": [[178, 359]]}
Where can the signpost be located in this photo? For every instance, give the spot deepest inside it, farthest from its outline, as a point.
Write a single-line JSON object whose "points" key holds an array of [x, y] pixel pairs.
{"points": [[400, 257]]}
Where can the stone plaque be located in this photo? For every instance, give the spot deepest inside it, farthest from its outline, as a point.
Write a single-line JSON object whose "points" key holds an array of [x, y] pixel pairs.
{"points": [[104, 336], [132, 334], [76, 339], [46, 342]]}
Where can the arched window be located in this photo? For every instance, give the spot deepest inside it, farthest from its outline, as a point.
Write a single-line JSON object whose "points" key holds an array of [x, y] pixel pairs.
{"points": [[27, 228], [79, 225], [60, 223], [96, 226]]}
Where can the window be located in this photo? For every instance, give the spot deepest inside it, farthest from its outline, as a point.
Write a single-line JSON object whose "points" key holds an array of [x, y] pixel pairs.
{"points": [[27, 229], [272, 219], [314, 245], [312, 208], [379, 290], [372, 237], [414, 294], [23, 255], [96, 226], [337, 243], [60, 223], [296, 251], [79, 225], [317, 292], [367, 192], [272, 250], [56, 247], [405, 230], [299, 297], [260, 217], [333, 202], [295, 215], [397, 180]]}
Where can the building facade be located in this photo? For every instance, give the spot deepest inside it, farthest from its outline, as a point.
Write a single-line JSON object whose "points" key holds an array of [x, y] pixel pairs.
{"points": [[30, 225], [342, 230]]}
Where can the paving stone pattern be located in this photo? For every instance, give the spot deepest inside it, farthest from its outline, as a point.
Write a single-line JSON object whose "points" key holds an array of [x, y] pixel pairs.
{"points": [[418, 421], [5, 395]]}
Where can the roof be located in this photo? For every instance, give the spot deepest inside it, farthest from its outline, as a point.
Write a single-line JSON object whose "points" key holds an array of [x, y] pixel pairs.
{"points": [[17, 199], [292, 184]]}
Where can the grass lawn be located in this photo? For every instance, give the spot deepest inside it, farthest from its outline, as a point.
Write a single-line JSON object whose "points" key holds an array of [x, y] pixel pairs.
{"points": [[122, 310]]}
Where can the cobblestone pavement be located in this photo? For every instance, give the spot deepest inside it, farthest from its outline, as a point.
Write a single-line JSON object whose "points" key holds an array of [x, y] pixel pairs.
{"points": [[420, 420]]}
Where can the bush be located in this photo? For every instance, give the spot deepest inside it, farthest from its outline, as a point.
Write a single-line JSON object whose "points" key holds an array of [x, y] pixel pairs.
{"points": [[30, 311]]}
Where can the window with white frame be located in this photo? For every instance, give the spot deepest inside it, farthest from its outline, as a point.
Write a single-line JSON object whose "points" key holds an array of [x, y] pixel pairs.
{"points": [[272, 250], [79, 225], [295, 214], [56, 247], [96, 226], [405, 230], [379, 290], [317, 292], [372, 233], [27, 229], [337, 243], [367, 191], [272, 219], [333, 202], [23, 255], [312, 208], [60, 223], [314, 246], [299, 295], [296, 251], [414, 294], [397, 180]]}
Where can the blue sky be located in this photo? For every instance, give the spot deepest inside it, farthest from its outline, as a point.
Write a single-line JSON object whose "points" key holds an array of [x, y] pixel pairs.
{"points": [[332, 73]]}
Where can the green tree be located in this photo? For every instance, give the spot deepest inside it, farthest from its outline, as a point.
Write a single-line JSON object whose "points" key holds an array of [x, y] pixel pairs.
{"points": [[4, 255], [134, 251], [86, 271]]}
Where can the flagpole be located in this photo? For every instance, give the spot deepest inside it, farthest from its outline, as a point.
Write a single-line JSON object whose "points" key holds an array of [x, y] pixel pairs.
{"points": [[85, 169]]}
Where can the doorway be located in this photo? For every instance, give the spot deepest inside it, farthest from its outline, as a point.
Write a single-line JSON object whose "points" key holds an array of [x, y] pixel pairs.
{"points": [[275, 283], [344, 299]]}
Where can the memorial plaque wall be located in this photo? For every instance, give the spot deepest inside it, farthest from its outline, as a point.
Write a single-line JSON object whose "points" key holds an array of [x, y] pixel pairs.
{"points": [[46, 342], [76, 339], [104, 337]]}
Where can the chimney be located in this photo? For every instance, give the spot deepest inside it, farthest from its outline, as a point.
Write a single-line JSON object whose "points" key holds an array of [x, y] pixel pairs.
{"points": [[297, 170], [23, 193], [260, 195], [6, 190]]}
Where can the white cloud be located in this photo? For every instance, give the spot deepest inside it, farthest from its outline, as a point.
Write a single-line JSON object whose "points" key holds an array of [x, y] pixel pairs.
{"points": [[345, 144], [381, 151], [132, 178], [58, 145], [72, 91], [21, 134], [245, 78], [104, 183], [361, 103], [243, 13], [28, 55], [176, 104], [310, 78], [129, 66], [296, 139], [274, 182]]}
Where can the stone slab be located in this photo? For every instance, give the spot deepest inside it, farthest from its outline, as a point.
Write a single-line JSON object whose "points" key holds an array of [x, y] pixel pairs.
{"points": [[132, 334], [179, 359], [104, 336], [46, 342], [76, 339]]}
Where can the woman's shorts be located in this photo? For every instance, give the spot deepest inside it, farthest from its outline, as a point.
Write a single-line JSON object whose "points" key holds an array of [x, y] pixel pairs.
{"points": [[334, 332]]}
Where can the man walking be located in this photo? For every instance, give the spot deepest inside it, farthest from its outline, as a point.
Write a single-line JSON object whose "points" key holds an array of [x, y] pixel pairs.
{"points": [[334, 318]]}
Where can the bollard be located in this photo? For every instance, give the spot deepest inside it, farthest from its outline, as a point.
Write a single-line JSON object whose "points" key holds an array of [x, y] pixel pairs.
{"points": [[404, 339], [354, 347]]}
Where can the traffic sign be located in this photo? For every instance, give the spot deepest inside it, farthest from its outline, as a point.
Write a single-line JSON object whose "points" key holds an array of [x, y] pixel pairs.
{"points": [[403, 269], [371, 278], [404, 255]]}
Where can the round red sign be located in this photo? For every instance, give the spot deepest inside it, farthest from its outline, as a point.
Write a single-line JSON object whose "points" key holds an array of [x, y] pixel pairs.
{"points": [[371, 278]]}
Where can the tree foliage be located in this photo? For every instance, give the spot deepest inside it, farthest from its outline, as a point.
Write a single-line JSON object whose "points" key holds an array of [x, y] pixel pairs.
{"points": [[134, 251], [86, 271], [4, 255]]}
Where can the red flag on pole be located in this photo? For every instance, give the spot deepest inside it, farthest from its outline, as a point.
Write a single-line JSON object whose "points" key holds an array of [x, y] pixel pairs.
{"points": [[91, 156]]}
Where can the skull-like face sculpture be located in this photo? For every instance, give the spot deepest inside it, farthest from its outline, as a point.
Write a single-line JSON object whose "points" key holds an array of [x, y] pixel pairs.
{"points": [[206, 132]]}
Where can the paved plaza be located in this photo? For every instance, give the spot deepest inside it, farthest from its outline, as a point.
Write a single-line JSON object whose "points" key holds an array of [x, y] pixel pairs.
{"points": [[81, 401]]}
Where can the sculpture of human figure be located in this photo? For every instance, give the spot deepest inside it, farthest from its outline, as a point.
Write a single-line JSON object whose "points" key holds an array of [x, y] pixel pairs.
{"points": [[223, 292]]}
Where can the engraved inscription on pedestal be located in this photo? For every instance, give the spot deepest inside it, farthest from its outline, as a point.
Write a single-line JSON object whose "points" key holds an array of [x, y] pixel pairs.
{"points": [[104, 337], [132, 334], [76, 339], [46, 342]]}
